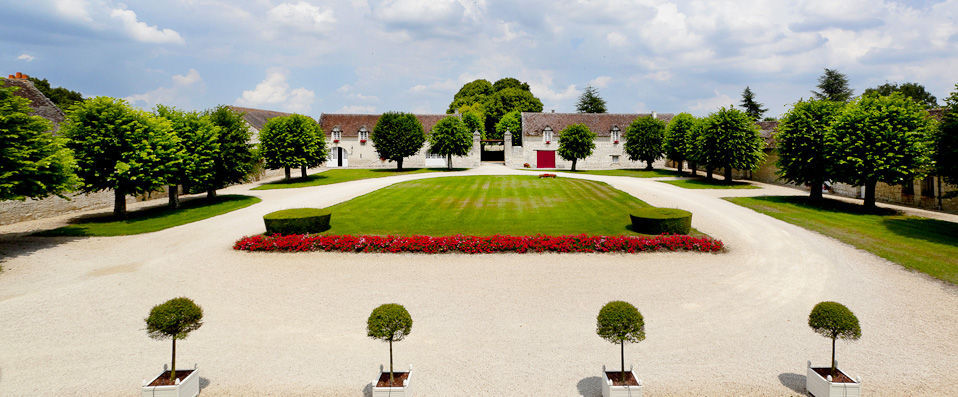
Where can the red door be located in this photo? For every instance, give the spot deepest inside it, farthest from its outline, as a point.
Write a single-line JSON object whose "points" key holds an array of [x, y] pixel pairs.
{"points": [[546, 159]]}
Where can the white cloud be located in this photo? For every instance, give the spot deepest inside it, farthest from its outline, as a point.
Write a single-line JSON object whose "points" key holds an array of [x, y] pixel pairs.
{"points": [[708, 105], [430, 18], [600, 82], [616, 39], [140, 31], [302, 16], [181, 92], [73, 9], [274, 92], [26, 57], [357, 109]]}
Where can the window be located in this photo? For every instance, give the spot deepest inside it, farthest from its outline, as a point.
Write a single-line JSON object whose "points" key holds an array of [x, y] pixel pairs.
{"points": [[337, 135], [928, 187], [615, 135], [432, 155], [547, 134], [615, 159], [363, 134]]}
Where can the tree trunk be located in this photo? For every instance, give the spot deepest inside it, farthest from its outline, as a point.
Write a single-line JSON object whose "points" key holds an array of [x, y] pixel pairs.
{"points": [[449, 162], [390, 362], [286, 169], [833, 357], [119, 204], [622, 357], [173, 363], [573, 164], [211, 194], [939, 192], [728, 175], [692, 167], [399, 164], [648, 164], [174, 192], [816, 193], [870, 195], [679, 165], [302, 171], [708, 173]]}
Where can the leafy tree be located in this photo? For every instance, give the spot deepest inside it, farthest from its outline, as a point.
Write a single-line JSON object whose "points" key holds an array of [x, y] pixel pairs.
{"points": [[389, 323], [496, 100], [511, 122], [198, 142], [803, 158], [397, 136], [174, 319], [474, 119], [752, 108], [33, 162], [237, 157], [450, 137], [878, 139], [914, 91], [677, 136], [620, 322], [946, 141], [60, 96], [590, 101], [643, 140], [473, 92], [510, 100], [693, 153], [833, 86], [576, 142], [120, 148], [510, 82], [292, 141], [729, 139], [834, 320]]}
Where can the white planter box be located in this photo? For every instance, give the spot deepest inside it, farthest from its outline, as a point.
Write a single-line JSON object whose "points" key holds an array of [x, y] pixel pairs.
{"points": [[822, 387], [188, 387], [403, 391], [620, 391]]}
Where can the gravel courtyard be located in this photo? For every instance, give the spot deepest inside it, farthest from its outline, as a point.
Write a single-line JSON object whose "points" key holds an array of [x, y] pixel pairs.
{"points": [[72, 310]]}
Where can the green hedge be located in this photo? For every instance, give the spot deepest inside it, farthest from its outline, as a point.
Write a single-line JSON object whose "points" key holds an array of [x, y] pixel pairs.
{"points": [[661, 220], [297, 221]]}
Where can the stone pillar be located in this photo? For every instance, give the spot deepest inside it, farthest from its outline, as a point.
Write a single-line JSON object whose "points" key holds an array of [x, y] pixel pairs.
{"points": [[476, 152], [507, 148]]}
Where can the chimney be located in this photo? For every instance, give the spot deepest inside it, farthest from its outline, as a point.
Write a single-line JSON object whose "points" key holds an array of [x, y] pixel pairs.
{"points": [[10, 76], [553, 110], [19, 75]]}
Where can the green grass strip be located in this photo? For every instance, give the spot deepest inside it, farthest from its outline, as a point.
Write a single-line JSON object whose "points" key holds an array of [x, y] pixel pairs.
{"points": [[707, 184], [345, 175]]}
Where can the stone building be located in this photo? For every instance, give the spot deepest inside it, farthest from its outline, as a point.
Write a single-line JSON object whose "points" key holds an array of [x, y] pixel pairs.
{"points": [[41, 105], [256, 119]]}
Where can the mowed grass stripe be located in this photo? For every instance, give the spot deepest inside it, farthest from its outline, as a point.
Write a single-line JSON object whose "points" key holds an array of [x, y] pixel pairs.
{"points": [[341, 175]]}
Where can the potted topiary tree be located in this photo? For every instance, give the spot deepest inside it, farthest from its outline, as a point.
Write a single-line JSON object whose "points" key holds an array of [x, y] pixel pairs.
{"points": [[620, 322], [390, 323], [174, 319], [832, 320]]}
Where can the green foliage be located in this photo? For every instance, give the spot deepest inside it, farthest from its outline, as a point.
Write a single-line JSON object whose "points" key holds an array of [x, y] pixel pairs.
{"points": [[511, 122], [397, 136], [297, 221], [752, 108], [946, 141], [174, 319], [644, 140], [389, 322], [833, 86], [913, 91], [509, 100], [495, 101], [801, 138], [473, 92], [509, 82], [198, 143], [677, 136], [590, 101], [655, 221], [237, 157], [450, 137], [292, 141], [619, 322], [834, 320], [729, 139], [60, 96], [576, 142], [474, 119], [33, 162]]}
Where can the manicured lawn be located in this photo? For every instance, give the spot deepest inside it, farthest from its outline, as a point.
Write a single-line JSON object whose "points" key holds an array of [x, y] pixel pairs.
{"points": [[345, 175], [927, 245], [701, 183], [153, 219], [487, 205], [633, 172]]}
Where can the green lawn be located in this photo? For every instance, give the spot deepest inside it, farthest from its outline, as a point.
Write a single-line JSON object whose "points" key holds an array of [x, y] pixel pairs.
{"points": [[487, 205], [927, 245], [153, 219], [633, 172], [701, 183], [345, 175]]}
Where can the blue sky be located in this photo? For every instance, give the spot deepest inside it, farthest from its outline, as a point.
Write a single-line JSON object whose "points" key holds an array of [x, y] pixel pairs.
{"points": [[364, 56]]}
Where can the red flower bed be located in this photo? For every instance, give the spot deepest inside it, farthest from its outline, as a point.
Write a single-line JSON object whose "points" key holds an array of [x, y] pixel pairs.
{"points": [[547, 175], [476, 245]]}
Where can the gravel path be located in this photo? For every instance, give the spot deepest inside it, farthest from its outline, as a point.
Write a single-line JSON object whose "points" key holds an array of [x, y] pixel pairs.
{"points": [[71, 310]]}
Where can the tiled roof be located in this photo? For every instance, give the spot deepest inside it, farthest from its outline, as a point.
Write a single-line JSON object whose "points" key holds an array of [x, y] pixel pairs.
{"points": [[599, 123], [41, 105], [350, 124], [767, 131], [257, 117]]}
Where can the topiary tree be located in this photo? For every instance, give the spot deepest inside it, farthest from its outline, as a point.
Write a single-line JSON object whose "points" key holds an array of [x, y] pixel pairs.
{"points": [[389, 323], [620, 322], [450, 137], [834, 320], [729, 139], [33, 162], [174, 319], [803, 158], [397, 136], [511, 122], [576, 142], [237, 157], [590, 101], [677, 136], [292, 141], [643, 140], [200, 148]]}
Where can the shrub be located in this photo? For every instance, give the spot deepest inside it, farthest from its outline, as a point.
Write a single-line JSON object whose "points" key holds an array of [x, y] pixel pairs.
{"points": [[389, 323], [661, 220], [834, 320], [297, 221], [620, 322], [174, 319]]}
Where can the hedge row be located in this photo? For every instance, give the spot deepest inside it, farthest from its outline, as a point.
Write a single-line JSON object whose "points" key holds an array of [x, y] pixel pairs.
{"points": [[297, 221], [654, 220]]}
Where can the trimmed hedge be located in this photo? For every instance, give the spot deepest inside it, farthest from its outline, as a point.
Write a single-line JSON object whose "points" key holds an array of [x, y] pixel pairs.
{"points": [[297, 221], [661, 220]]}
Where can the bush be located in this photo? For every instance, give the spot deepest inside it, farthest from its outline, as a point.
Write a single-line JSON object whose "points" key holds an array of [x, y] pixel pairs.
{"points": [[297, 221], [661, 220]]}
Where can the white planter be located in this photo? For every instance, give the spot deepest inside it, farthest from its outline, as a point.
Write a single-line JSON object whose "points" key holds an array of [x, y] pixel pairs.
{"points": [[620, 391], [188, 387], [822, 387], [403, 391]]}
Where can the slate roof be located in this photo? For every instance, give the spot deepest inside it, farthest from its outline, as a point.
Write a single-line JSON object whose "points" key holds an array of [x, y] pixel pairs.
{"points": [[350, 124], [257, 118], [599, 123], [41, 105], [767, 131]]}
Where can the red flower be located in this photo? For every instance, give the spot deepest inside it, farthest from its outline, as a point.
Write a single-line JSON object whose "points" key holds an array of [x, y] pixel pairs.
{"points": [[362, 141], [616, 142], [335, 140]]}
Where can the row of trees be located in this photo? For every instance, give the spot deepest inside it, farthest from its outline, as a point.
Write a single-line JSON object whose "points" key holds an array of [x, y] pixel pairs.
{"points": [[400, 135]]}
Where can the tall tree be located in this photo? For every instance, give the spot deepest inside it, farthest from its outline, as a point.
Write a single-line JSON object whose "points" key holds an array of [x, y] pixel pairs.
{"points": [[878, 139], [292, 141], [60, 96], [511, 122], [802, 155], [752, 108], [833, 86], [33, 162], [474, 118], [450, 137], [729, 139], [946, 141], [915, 91], [677, 136], [495, 100], [510, 100], [199, 144], [643, 140], [397, 136], [120, 148], [237, 158], [590, 101], [576, 142], [476, 91], [693, 153]]}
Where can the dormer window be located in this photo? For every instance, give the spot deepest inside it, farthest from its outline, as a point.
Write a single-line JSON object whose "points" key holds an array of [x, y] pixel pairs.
{"points": [[547, 134], [615, 134], [337, 135], [363, 134]]}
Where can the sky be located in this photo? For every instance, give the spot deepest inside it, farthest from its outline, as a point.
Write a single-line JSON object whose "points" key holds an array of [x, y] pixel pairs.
{"points": [[369, 56]]}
